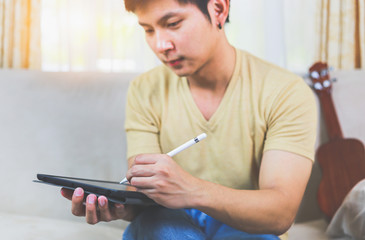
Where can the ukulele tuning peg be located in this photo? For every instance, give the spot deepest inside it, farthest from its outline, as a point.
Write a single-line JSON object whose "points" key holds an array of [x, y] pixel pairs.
{"points": [[315, 75], [318, 86]]}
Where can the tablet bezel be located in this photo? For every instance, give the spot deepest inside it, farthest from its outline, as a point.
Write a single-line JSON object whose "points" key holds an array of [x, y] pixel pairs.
{"points": [[113, 195]]}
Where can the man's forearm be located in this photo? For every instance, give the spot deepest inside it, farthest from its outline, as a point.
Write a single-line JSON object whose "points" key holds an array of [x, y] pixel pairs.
{"points": [[254, 211]]}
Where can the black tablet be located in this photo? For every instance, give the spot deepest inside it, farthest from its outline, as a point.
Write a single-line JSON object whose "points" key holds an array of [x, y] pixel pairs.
{"points": [[114, 191]]}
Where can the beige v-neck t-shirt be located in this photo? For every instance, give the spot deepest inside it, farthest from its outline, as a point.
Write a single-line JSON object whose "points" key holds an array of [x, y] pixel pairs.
{"points": [[264, 107]]}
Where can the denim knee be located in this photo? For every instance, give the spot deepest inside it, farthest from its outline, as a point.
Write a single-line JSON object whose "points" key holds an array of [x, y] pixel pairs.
{"points": [[162, 223]]}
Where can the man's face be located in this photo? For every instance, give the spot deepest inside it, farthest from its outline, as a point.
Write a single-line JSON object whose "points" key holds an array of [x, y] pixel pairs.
{"points": [[180, 35]]}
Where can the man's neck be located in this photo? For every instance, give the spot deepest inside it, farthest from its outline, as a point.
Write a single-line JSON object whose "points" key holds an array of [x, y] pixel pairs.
{"points": [[216, 74], [209, 85]]}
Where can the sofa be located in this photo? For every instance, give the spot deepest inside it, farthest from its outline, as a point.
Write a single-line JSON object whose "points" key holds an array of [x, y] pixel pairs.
{"points": [[72, 124]]}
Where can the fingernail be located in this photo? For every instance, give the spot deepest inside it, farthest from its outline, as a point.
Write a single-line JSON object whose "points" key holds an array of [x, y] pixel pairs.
{"points": [[78, 192], [91, 199], [102, 202], [119, 205]]}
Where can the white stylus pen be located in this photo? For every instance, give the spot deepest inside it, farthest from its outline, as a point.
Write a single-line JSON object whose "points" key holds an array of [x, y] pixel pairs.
{"points": [[180, 148]]}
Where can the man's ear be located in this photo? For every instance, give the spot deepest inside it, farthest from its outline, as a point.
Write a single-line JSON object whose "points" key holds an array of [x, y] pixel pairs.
{"points": [[221, 11]]}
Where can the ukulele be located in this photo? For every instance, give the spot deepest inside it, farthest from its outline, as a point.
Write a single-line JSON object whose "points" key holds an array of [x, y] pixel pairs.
{"points": [[341, 160]]}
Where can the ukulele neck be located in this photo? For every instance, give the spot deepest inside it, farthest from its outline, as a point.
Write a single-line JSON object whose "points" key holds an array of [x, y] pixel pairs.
{"points": [[328, 109]]}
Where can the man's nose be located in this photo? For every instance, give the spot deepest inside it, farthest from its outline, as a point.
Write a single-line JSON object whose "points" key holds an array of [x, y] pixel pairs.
{"points": [[163, 43]]}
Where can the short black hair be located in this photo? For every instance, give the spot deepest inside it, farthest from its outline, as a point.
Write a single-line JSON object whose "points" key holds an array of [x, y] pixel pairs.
{"points": [[132, 5]]}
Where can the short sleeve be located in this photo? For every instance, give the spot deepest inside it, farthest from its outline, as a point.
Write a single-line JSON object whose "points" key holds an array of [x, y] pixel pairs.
{"points": [[142, 122], [292, 120]]}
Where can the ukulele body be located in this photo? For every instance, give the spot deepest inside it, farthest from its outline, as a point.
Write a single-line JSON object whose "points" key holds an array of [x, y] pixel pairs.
{"points": [[341, 170]]}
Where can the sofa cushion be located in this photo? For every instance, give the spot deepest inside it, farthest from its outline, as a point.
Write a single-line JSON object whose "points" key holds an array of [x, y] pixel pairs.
{"points": [[69, 124], [15, 227], [308, 230]]}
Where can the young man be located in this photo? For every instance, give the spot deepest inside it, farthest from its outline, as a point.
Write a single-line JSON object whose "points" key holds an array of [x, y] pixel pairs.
{"points": [[247, 178]]}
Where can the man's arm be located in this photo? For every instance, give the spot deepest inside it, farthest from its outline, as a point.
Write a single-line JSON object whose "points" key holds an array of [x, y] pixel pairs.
{"points": [[271, 209]]}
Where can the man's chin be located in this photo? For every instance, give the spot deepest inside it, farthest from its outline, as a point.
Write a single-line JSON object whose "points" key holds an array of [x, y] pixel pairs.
{"points": [[180, 72]]}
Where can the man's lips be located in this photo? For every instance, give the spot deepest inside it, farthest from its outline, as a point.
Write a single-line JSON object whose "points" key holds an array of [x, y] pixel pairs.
{"points": [[175, 62]]}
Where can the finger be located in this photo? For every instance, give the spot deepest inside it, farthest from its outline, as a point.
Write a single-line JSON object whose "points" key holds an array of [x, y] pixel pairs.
{"points": [[77, 207], [91, 214], [126, 212], [142, 182], [120, 211], [67, 193], [141, 171], [105, 214], [145, 159]]}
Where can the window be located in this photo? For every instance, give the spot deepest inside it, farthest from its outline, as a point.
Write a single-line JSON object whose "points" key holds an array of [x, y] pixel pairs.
{"points": [[99, 35]]}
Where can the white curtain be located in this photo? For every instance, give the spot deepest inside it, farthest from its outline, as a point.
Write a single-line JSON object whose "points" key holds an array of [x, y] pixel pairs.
{"points": [[20, 34], [342, 33], [98, 35], [92, 35], [279, 31]]}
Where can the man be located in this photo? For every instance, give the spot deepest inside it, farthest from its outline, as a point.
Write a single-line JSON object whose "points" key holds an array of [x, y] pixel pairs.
{"points": [[247, 179]]}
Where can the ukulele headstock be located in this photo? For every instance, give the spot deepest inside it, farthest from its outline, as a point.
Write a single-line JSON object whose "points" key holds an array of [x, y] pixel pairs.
{"points": [[319, 75]]}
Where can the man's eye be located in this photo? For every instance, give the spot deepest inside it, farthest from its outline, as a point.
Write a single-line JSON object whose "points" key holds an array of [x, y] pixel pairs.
{"points": [[148, 31], [173, 24]]}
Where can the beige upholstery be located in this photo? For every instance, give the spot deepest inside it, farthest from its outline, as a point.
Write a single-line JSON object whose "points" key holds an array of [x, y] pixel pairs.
{"points": [[72, 124], [20, 227], [309, 230], [58, 123]]}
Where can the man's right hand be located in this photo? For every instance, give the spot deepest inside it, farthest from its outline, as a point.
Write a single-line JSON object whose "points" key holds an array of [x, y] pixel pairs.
{"points": [[97, 209]]}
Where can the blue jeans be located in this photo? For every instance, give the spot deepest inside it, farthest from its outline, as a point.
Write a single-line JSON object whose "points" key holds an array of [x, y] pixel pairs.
{"points": [[158, 223]]}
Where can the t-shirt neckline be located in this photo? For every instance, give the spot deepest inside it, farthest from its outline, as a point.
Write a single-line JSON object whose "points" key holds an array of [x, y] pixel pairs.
{"points": [[214, 120]]}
